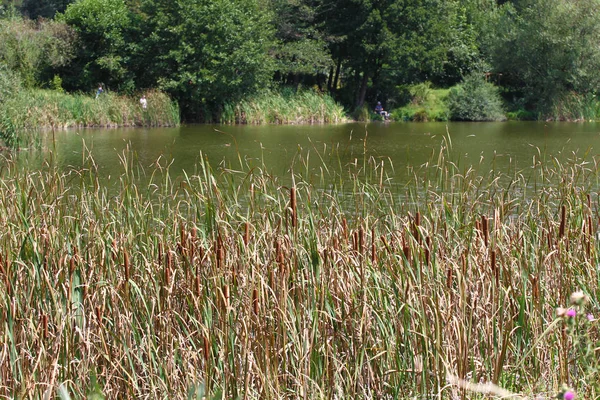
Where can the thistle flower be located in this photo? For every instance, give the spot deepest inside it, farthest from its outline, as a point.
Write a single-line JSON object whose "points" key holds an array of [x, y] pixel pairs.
{"points": [[569, 395], [571, 313], [577, 298], [590, 317]]}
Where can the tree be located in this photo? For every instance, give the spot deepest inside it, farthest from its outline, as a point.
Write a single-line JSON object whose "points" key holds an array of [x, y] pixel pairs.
{"points": [[385, 43], [103, 55], [43, 8], [35, 50], [549, 50], [206, 52], [301, 50]]}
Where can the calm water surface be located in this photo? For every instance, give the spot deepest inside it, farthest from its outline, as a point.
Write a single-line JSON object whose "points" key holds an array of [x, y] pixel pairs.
{"points": [[502, 146]]}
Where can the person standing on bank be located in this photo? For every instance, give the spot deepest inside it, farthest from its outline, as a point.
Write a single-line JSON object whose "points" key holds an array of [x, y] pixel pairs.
{"points": [[99, 91], [144, 102]]}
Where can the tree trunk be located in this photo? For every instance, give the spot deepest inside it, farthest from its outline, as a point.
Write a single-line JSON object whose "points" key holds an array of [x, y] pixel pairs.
{"points": [[330, 79], [337, 76], [360, 99]]}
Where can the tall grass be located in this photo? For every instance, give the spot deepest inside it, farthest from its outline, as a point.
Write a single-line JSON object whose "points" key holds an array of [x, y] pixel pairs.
{"points": [[32, 109], [284, 107], [234, 283]]}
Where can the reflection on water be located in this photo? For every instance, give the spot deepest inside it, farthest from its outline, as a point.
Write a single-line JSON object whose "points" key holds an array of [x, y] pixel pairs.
{"points": [[505, 147]]}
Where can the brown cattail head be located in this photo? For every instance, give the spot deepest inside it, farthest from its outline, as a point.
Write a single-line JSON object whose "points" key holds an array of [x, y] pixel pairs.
{"points": [[246, 233], [226, 296], [293, 206], [255, 301], [206, 348], [563, 222], [182, 236], [449, 277], [197, 285], [485, 229], [167, 276], [160, 253], [361, 240], [45, 326]]}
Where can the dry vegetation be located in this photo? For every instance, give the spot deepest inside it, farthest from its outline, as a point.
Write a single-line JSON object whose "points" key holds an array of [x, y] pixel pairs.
{"points": [[236, 283]]}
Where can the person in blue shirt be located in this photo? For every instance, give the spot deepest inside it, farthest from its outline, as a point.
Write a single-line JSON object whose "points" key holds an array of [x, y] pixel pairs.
{"points": [[379, 110], [99, 91]]}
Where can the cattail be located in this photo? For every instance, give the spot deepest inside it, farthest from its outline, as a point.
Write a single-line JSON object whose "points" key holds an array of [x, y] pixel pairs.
{"points": [[355, 241], [345, 229], [246, 233], [563, 222], [416, 225], [160, 253], [220, 252], [182, 236], [495, 270], [485, 229], [255, 301], [126, 265], [193, 238], [206, 355], [114, 250], [449, 278], [226, 296], [293, 207], [406, 251], [361, 240], [45, 326], [167, 276]]}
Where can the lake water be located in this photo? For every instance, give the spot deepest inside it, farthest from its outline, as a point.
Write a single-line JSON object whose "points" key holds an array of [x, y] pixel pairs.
{"points": [[502, 146]]}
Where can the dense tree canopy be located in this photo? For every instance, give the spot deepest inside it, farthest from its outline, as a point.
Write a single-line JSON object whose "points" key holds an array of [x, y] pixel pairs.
{"points": [[210, 53]]}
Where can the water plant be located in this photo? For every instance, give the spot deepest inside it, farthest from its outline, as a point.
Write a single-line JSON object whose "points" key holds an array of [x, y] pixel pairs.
{"points": [[30, 110], [284, 107], [326, 283]]}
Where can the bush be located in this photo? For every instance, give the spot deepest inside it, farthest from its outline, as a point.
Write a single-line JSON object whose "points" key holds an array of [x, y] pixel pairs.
{"points": [[425, 104], [10, 83], [475, 100]]}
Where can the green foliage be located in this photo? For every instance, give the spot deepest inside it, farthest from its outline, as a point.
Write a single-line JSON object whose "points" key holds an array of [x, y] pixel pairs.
{"points": [[35, 50], [103, 52], [207, 52], [10, 83], [284, 107], [425, 104], [301, 46], [475, 100], [546, 51]]}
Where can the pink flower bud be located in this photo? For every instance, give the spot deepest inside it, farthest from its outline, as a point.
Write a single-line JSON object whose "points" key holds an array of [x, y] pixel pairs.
{"points": [[569, 395], [571, 312]]}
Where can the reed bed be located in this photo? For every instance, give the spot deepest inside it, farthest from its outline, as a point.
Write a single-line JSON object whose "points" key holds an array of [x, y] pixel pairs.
{"points": [[233, 283], [284, 107], [34, 109]]}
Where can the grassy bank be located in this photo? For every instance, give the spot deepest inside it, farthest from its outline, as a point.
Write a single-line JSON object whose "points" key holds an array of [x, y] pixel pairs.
{"points": [[33, 109], [284, 107], [229, 282]]}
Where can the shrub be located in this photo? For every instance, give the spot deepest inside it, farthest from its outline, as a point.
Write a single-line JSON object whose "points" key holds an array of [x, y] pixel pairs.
{"points": [[475, 100]]}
